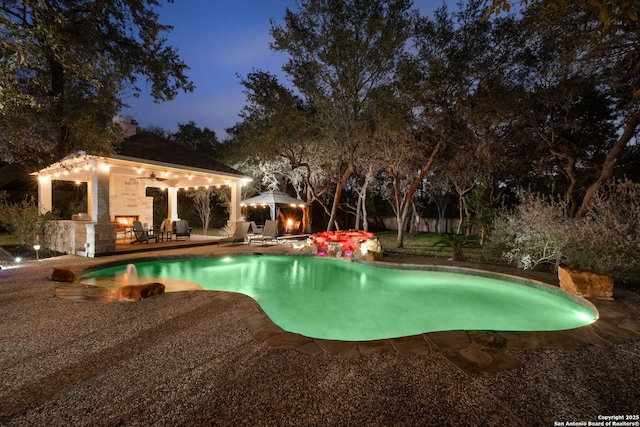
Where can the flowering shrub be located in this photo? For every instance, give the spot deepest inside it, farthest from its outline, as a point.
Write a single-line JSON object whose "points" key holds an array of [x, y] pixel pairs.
{"points": [[606, 239]]}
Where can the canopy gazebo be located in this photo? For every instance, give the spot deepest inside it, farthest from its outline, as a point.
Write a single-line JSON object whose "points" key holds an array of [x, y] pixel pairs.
{"points": [[277, 202], [116, 188]]}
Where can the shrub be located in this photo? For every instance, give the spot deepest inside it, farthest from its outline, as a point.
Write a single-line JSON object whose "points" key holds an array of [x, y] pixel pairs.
{"points": [[606, 239], [531, 235], [457, 243], [24, 221]]}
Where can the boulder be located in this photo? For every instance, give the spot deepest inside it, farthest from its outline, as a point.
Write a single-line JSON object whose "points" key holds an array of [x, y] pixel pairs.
{"points": [[585, 283], [62, 275], [137, 292], [367, 256]]}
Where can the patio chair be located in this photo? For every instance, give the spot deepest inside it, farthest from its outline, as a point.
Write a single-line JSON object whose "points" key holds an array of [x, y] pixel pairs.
{"points": [[242, 230], [165, 229], [256, 229], [270, 232], [181, 229], [142, 235]]}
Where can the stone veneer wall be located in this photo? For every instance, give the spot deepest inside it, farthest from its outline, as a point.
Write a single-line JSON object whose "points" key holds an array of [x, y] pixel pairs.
{"points": [[101, 238], [67, 237], [127, 197], [82, 237]]}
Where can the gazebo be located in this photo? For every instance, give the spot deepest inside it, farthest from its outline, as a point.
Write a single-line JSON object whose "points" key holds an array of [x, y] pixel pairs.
{"points": [[116, 188], [280, 204]]}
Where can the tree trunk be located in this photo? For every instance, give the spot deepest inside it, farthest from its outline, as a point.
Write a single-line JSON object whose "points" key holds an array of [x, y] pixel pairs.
{"points": [[400, 236], [402, 223], [570, 175], [610, 162], [460, 209], [406, 201], [57, 99], [361, 209], [365, 221], [356, 226], [415, 220], [336, 198]]}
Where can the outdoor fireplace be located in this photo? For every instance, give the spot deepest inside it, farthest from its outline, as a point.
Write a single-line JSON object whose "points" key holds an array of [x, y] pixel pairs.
{"points": [[124, 221]]}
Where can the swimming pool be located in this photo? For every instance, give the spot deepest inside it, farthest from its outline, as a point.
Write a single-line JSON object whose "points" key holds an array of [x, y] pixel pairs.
{"points": [[350, 301]]}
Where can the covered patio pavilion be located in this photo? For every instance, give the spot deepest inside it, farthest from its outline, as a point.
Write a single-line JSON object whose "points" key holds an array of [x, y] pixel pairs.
{"points": [[116, 189]]}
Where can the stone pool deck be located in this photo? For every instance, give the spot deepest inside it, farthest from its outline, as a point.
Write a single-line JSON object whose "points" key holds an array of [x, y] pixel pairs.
{"points": [[209, 358]]}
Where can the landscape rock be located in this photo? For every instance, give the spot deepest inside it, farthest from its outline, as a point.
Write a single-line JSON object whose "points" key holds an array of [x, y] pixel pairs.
{"points": [[138, 292], [62, 275], [585, 283]]}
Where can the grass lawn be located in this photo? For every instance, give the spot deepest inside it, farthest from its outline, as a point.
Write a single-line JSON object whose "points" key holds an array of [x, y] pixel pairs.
{"points": [[424, 244]]}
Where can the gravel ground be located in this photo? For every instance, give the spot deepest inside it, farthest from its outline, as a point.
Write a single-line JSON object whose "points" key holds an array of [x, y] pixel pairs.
{"points": [[185, 359]]}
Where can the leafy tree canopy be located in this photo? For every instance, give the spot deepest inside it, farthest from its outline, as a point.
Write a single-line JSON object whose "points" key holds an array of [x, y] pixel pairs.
{"points": [[66, 66], [611, 13], [190, 135]]}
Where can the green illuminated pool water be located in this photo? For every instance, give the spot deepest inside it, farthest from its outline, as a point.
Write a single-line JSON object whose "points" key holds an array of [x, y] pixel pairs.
{"points": [[339, 300]]}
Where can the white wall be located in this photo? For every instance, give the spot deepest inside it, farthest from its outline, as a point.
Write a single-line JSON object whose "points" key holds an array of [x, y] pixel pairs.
{"points": [[127, 197]]}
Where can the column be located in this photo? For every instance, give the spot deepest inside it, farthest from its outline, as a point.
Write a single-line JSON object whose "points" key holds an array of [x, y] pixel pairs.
{"points": [[45, 198], [172, 200], [98, 194], [235, 211]]}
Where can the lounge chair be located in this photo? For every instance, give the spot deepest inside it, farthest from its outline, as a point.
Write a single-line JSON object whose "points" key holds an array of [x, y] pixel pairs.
{"points": [[181, 229], [142, 235], [270, 232], [256, 229], [242, 229]]}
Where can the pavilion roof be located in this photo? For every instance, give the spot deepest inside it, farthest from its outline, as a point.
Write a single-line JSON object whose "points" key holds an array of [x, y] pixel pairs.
{"points": [[148, 146], [273, 198]]}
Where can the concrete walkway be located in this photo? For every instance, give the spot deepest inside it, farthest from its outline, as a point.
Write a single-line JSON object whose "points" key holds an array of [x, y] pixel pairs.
{"points": [[214, 358]]}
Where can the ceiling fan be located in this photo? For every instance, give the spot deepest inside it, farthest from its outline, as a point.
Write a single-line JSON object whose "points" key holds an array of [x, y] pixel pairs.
{"points": [[152, 176]]}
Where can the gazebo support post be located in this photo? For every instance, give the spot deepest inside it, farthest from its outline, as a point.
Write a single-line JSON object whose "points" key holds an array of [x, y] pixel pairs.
{"points": [[45, 197], [98, 195], [235, 211], [100, 232], [172, 209]]}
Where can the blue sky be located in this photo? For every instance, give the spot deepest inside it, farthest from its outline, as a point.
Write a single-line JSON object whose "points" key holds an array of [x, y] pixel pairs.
{"points": [[218, 40]]}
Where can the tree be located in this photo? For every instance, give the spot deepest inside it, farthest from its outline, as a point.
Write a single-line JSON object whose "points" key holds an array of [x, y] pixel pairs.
{"points": [[405, 154], [463, 172], [585, 95], [202, 205], [277, 125], [202, 140], [341, 51], [434, 86], [611, 13], [66, 66]]}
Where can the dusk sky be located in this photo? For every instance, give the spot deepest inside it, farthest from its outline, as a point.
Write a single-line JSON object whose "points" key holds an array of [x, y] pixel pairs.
{"points": [[218, 40]]}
